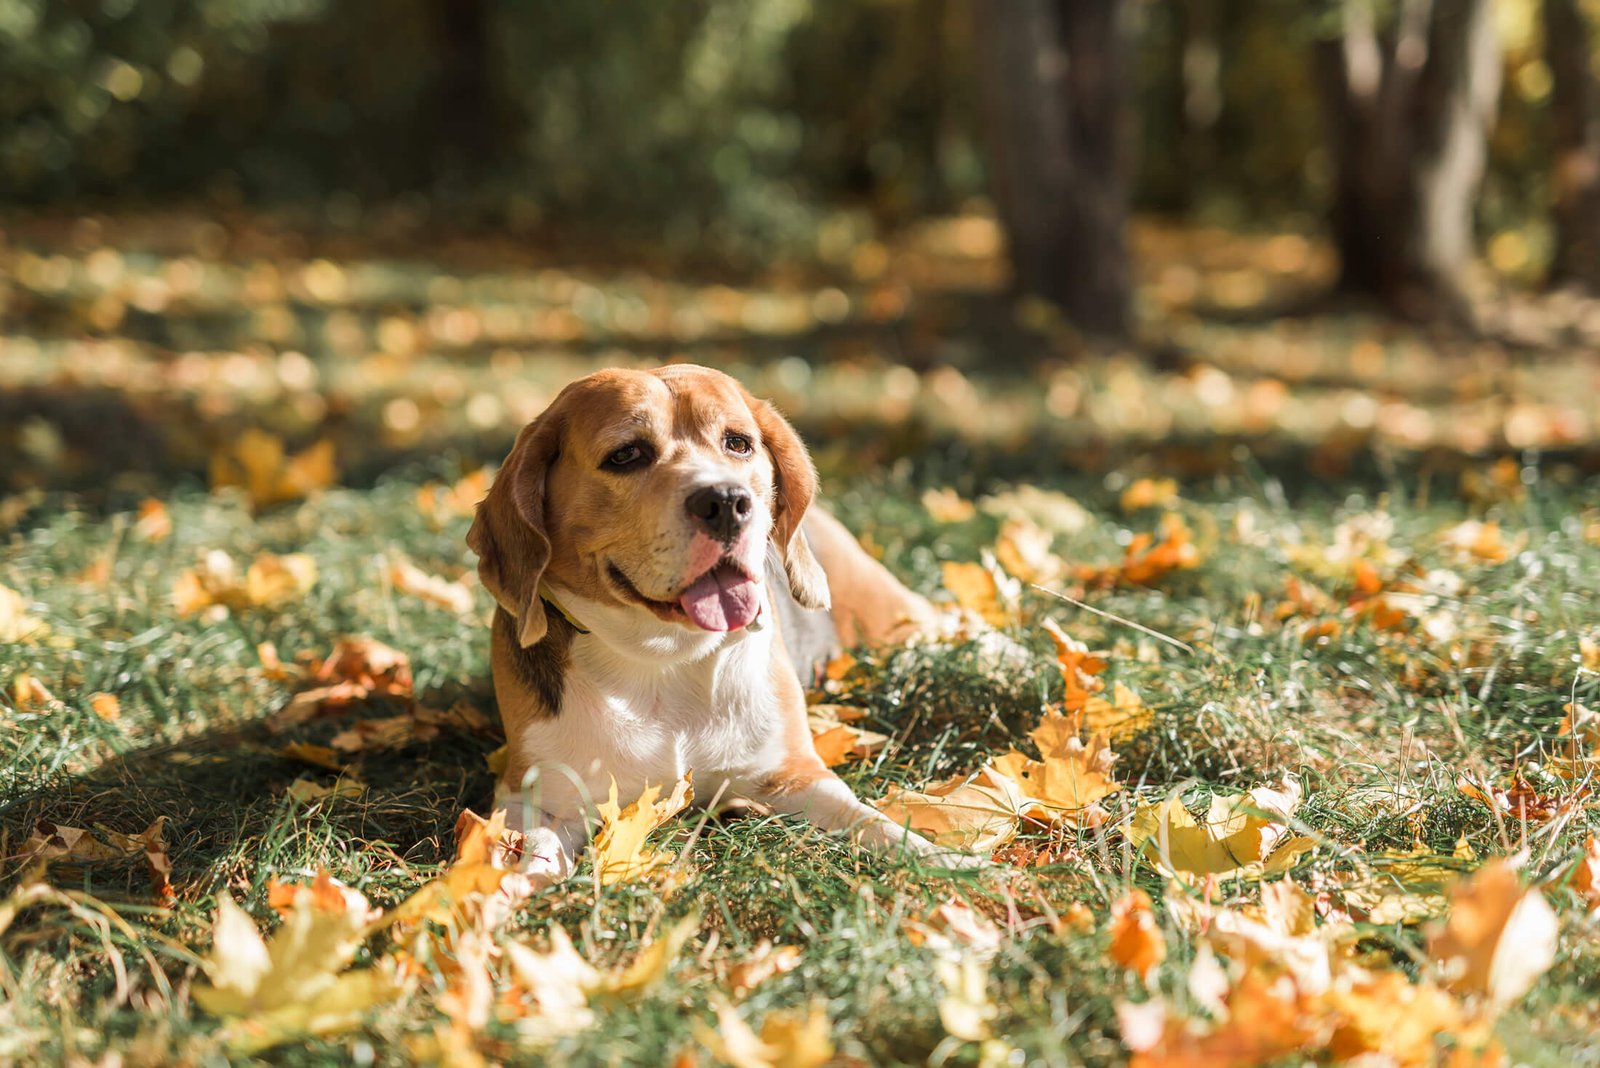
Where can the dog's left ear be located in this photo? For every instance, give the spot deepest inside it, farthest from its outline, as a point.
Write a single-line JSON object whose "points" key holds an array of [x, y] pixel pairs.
{"points": [[794, 485]]}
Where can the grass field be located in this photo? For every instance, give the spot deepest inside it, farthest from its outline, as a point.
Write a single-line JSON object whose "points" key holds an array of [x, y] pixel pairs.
{"points": [[1338, 623]]}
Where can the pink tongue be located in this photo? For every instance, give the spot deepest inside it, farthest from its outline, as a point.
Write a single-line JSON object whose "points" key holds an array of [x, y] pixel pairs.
{"points": [[721, 599]]}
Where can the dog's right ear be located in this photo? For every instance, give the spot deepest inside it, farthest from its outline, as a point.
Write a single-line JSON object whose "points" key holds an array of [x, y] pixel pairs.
{"points": [[508, 533]]}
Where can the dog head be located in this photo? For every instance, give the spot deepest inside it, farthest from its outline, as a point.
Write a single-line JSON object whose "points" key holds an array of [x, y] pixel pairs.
{"points": [[653, 489]]}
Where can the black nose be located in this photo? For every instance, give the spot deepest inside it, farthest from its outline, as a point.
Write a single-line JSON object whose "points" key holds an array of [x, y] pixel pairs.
{"points": [[721, 511]]}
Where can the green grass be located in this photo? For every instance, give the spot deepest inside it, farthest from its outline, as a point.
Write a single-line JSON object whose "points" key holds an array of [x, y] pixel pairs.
{"points": [[1252, 702]]}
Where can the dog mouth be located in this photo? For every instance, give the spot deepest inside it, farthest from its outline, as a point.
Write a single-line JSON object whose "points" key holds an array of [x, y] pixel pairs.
{"points": [[725, 597]]}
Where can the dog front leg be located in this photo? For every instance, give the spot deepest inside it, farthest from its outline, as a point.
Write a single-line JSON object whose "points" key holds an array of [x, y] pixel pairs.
{"points": [[825, 800], [550, 846]]}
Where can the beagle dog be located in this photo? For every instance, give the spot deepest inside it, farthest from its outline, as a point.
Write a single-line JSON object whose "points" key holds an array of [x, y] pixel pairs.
{"points": [[654, 553]]}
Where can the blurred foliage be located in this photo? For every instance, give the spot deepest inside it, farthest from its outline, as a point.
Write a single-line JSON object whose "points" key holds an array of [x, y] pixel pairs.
{"points": [[742, 125]]}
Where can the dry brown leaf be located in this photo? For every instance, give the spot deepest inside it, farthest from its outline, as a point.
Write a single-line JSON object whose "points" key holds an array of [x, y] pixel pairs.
{"points": [[835, 736], [1246, 835], [787, 1039], [106, 706], [1022, 548], [1583, 878], [153, 522], [458, 500], [1147, 561], [274, 990], [982, 590], [1136, 939], [763, 962], [433, 589], [16, 624], [979, 813], [953, 928], [1149, 493], [269, 580], [1499, 938], [258, 463], [619, 852], [1070, 776], [320, 756], [306, 791]]}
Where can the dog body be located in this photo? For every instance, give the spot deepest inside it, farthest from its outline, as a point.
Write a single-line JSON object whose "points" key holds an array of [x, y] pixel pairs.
{"points": [[627, 541]]}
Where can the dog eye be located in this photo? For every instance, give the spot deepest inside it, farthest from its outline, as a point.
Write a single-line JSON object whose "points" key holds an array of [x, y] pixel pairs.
{"points": [[629, 457], [737, 444]]}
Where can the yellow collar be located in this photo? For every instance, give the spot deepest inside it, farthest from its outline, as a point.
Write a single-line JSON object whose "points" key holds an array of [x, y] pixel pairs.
{"points": [[548, 598]]}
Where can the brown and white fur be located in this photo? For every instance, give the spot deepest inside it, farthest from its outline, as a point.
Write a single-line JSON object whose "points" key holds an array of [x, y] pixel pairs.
{"points": [[625, 540]]}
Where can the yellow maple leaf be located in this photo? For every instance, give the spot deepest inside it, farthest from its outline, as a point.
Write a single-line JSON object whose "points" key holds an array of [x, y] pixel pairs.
{"points": [[978, 813], [650, 966], [291, 984], [619, 853], [1499, 938], [965, 1009], [1071, 774], [554, 987], [273, 579], [270, 579], [1246, 835], [947, 506]]}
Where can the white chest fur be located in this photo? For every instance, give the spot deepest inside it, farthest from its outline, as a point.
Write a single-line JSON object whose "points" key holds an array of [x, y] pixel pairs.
{"points": [[643, 703]]}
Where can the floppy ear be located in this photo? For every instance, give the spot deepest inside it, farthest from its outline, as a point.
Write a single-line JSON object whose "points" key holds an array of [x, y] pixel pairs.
{"points": [[794, 484], [508, 533]]}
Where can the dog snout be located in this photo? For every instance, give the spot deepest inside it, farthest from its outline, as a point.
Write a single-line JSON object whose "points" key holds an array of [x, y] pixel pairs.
{"points": [[721, 511]]}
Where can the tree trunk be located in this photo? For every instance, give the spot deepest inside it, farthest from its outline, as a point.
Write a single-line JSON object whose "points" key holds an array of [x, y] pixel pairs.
{"points": [[1408, 107], [1053, 81], [1573, 54]]}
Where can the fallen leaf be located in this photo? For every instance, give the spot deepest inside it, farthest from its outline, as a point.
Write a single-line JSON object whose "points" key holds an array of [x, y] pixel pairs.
{"points": [[153, 522], [481, 887], [306, 791], [258, 463], [16, 624], [762, 963], [787, 1039], [441, 592], [953, 929], [835, 736], [1147, 560], [28, 692], [290, 985], [1246, 835], [1136, 939], [619, 852], [269, 580], [948, 506], [392, 732], [650, 966], [1149, 493], [1499, 938], [553, 988], [106, 706], [320, 756], [1022, 548], [1476, 540], [978, 813], [965, 1009], [980, 589], [1070, 776], [1583, 878]]}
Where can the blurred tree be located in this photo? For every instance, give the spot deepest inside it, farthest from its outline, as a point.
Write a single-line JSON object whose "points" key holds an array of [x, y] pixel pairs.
{"points": [[1409, 94], [1053, 87], [1573, 54]]}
